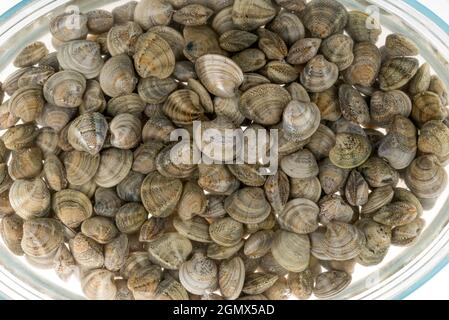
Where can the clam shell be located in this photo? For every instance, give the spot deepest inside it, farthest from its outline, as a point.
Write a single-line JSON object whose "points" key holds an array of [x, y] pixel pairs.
{"points": [[407, 235], [251, 14], [200, 41], [356, 189], [193, 15], [106, 202], [328, 103], [257, 283], [36, 76], [184, 70], [319, 74], [264, 103], [432, 139], [324, 17], [69, 26], [30, 55], [126, 131], [250, 60], [47, 141], [145, 157], [400, 45], [11, 232], [82, 56], [64, 263], [248, 174], [353, 106], [258, 244], [115, 165], [378, 198], [300, 120], [122, 38], [421, 80], [170, 289], [71, 207], [117, 76], [217, 252], [152, 229], [332, 178], [11, 83], [385, 105], [363, 27], [65, 89], [291, 250], [334, 208], [427, 106], [149, 13], [303, 50], [54, 173], [55, 117], [25, 163], [222, 21], [101, 229], [160, 194], [183, 107], [80, 166], [124, 12], [41, 237], [378, 241], [272, 45], [88, 132], [173, 37], [350, 150], [299, 216], [226, 232], [331, 283], [99, 21], [131, 103], [231, 278], [144, 282], [217, 179], [248, 205], [220, 75], [366, 65], [301, 284], [396, 214], [338, 49], [288, 26], [93, 100], [277, 190], [99, 284], [378, 173], [129, 188], [237, 40], [196, 229], [300, 165], [27, 103], [170, 250], [199, 274], [29, 198], [192, 202], [397, 72], [437, 86], [305, 188], [130, 217], [154, 90]]}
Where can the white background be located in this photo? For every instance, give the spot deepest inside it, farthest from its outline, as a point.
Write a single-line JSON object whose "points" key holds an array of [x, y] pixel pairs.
{"points": [[437, 287]]}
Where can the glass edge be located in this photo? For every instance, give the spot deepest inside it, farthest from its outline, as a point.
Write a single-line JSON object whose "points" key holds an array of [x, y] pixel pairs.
{"points": [[14, 9]]}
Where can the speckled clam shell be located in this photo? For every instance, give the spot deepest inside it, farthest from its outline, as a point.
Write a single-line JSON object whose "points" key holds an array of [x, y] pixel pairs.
{"points": [[143, 282], [353, 106], [319, 74], [437, 86], [82, 56], [220, 75], [350, 150], [277, 190], [174, 161], [226, 232], [171, 289], [288, 26], [41, 237], [93, 100], [170, 250], [29, 198], [65, 89], [117, 76], [173, 37], [195, 229], [332, 178], [25, 163], [36, 76], [301, 165], [425, 177], [396, 214], [30, 55], [122, 38], [27, 103], [303, 50], [363, 27], [334, 208], [203, 94], [11, 232], [71, 207], [300, 120], [248, 205], [231, 277], [257, 283], [291, 250], [115, 165], [88, 132], [264, 103], [11, 83], [192, 202], [433, 139], [145, 157], [249, 15], [356, 189], [199, 274], [328, 103], [397, 72], [250, 60], [154, 56], [378, 198], [251, 79], [331, 283], [101, 229], [248, 174], [378, 173], [280, 72], [193, 15], [99, 284], [400, 45], [299, 216], [408, 234], [338, 49], [305, 188], [301, 284], [106, 202], [69, 26], [217, 179], [99, 21], [421, 80], [160, 194], [7, 119], [152, 229], [237, 40], [385, 105], [149, 13], [130, 217], [427, 106], [183, 106], [378, 241], [324, 17], [80, 166], [366, 65], [272, 45], [54, 173], [129, 188]]}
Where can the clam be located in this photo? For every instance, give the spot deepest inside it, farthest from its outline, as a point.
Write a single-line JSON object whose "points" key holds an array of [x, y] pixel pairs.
{"points": [[88, 188], [226, 232], [303, 50], [117, 76], [321, 142], [99, 284], [88, 132], [257, 283], [334, 208], [407, 234], [272, 45], [356, 189], [217, 252], [301, 284], [192, 202], [69, 26], [305, 188], [125, 130], [378, 173], [258, 244], [353, 106], [300, 165], [11, 83], [99, 21], [160, 194], [26, 103], [41, 237], [137, 260], [115, 165], [396, 214], [331, 283], [421, 80], [328, 104], [332, 178], [129, 103], [93, 100], [199, 41], [149, 13], [129, 188], [251, 79], [36, 76], [50, 60], [378, 241], [217, 179], [152, 229], [215, 207], [237, 40], [154, 56], [64, 263], [288, 26], [143, 282], [193, 15], [385, 105], [7, 119], [176, 161], [122, 38], [324, 18], [82, 56], [30, 55], [55, 117], [363, 27], [427, 106], [319, 74], [157, 128], [350, 150], [199, 274], [54, 173], [399, 147], [377, 199], [231, 277], [11, 232], [299, 216], [130, 217], [80, 166], [101, 229], [195, 229], [5, 204], [397, 72], [264, 103], [25, 163], [202, 93], [183, 107], [106, 202], [65, 89], [71, 207], [291, 250], [425, 177], [170, 250], [250, 60], [249, 15], [280, 72], [277, 190], [433, 139], [248, 205], [222, 21], [220, 75], [171, 289], [437, 86], [366, 65], [300, 120], [298, 92], [173, 37], [154, 90], [30, 198], [145, 157], [338, 49], [184, 70], [248, 174], [398, 45]]}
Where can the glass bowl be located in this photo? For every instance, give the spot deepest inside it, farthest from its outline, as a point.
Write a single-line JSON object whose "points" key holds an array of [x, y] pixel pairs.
{"points": [[403, 270]]}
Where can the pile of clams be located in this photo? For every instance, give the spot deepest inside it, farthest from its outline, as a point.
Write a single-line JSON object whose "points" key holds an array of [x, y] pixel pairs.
{"points": [[89, 187]]}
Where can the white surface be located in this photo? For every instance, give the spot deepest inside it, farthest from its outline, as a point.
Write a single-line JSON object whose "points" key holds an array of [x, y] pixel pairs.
{"points": [[436, 288]]}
